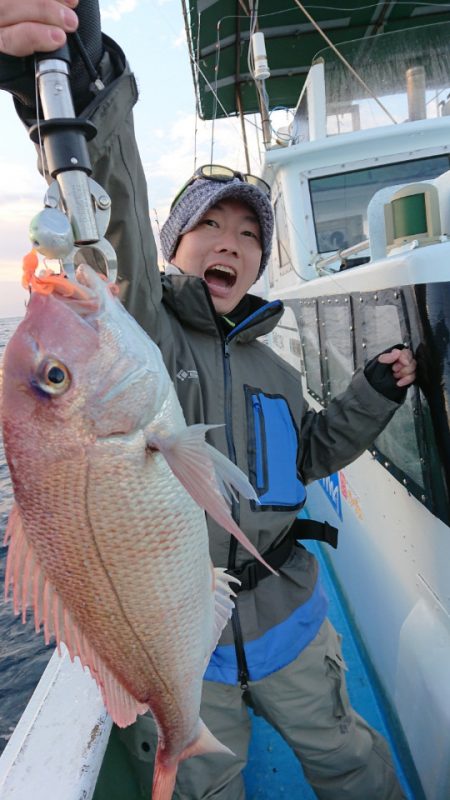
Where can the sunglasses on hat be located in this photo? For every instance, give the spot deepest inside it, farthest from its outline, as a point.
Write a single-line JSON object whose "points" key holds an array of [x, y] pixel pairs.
{"points": [[215, 172]]}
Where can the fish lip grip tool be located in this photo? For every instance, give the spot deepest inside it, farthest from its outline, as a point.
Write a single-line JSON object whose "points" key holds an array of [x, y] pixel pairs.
{"points": [[72, 225]]}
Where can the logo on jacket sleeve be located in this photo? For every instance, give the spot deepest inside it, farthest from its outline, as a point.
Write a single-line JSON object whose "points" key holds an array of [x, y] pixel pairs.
{"points": [[187, 374]]}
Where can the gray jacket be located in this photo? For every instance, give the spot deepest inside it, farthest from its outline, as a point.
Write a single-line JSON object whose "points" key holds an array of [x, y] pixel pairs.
{"points": [[232, 381]]}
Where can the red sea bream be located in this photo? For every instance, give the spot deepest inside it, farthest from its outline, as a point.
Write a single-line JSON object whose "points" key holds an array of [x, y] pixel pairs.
{"points": [[107, 540]]}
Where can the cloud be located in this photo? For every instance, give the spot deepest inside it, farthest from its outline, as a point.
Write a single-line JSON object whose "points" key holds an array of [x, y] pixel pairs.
{"points": [[12, 297], [175, 161], [22, 192], [21, 180], [116, 10], [180, 39]]}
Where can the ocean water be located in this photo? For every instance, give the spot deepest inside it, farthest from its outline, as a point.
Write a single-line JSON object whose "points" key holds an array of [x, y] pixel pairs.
{"points": [[23, 654]]}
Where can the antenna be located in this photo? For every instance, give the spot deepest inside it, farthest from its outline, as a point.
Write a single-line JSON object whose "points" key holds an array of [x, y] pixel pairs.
{"points": [[261, 67]]}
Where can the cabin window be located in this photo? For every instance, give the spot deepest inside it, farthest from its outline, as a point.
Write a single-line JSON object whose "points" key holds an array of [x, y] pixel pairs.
{"points": [[340, 332], [281, 251], [309, 326], [337, 335], [406, 446], [339, 202], [286, 337], [381, 324]]}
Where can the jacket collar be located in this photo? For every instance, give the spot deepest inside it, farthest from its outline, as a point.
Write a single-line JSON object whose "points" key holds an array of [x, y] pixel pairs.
{"points": [[189, 299]]}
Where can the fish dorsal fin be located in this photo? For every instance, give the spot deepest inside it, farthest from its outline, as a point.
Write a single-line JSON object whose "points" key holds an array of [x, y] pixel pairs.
{"points": [[31, 587], [206, 474]]}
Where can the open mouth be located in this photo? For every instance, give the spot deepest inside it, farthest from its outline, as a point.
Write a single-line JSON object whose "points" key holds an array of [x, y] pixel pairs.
{"points": [[220, 277]]}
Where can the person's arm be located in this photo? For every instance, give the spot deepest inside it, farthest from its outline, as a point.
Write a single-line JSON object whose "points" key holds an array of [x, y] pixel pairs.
{"points": [[118, 169], [335, 437], [28, 26]]}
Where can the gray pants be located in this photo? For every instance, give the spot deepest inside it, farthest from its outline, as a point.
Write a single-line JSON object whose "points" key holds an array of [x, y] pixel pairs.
{"points": [[342, 757]]}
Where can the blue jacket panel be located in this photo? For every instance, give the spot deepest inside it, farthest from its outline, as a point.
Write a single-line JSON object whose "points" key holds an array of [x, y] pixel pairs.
{"points": [[276, 648]]}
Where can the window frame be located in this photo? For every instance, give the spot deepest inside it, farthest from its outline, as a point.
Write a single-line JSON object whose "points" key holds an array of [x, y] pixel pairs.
{"points": [[403, 300], [306, 176]]}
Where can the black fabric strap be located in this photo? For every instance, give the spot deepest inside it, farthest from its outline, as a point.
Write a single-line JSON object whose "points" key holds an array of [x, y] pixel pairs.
{"points": [[312, 529], [252, 572]]}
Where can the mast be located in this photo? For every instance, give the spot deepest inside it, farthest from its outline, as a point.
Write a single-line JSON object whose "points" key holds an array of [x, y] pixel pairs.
{"points": [[238, 90]]}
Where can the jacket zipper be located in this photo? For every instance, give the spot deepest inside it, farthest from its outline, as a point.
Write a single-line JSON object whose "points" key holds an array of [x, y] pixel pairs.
{"points": [[241, 659], [258, 418]]}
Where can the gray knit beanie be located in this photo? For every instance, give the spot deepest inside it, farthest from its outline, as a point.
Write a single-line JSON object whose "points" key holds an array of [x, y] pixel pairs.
{"points": [[200, 196]]}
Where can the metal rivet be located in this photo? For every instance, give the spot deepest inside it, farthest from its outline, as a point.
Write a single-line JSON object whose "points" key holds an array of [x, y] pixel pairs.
{"points": [[104, 201]]}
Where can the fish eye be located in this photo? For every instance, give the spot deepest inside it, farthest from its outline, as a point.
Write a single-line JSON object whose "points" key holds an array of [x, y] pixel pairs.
{"points": [[53, 377]]}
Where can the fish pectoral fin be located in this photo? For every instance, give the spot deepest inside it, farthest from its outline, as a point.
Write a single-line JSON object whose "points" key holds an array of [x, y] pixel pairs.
{"points": [[223, 608], [207, 475], [205, 742]]}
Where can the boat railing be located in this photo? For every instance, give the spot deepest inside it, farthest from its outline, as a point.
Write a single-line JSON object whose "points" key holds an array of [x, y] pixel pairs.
{"points": [[341, 256], [57, 747]]}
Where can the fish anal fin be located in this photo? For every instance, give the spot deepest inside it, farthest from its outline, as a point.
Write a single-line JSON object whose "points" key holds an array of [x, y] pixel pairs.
{"points": [[165, 771], [30, 585], [204, 742]]}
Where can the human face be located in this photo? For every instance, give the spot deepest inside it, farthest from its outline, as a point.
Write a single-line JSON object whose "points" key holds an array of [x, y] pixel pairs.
{"points": [[225, 250]]}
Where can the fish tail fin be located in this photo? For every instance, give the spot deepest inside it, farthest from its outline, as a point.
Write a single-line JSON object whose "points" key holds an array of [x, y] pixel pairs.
{"points": [[164, 777]]}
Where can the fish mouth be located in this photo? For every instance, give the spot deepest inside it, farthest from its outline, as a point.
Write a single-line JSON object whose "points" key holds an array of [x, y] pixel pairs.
{"points": [[220, 277], [84, 292]]}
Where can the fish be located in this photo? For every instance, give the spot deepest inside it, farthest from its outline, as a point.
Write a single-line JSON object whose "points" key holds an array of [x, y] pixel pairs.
{"points": [[108, 542]]}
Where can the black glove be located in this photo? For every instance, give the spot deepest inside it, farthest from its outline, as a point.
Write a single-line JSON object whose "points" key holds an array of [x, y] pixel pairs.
{"points": [[381, 377], [17, 74]]}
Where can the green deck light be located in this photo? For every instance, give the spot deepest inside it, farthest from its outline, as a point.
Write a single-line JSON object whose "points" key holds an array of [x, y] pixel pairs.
{"points": [[409, 216]]}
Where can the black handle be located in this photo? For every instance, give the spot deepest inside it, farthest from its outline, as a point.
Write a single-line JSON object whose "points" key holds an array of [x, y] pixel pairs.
{"points": [[62, 53]]}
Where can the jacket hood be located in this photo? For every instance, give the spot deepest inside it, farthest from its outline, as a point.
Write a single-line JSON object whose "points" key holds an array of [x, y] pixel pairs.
{"points": [[188, 297]]}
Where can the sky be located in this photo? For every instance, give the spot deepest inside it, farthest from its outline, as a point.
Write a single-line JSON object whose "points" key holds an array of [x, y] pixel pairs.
{"points": [[151, 32]]}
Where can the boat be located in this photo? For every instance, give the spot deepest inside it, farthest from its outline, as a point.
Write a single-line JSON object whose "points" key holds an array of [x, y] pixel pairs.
{"points": [[361, 190]]}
